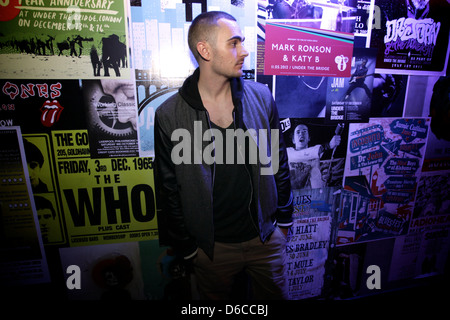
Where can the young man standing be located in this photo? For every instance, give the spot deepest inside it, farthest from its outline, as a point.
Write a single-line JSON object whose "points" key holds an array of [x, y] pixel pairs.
{"points": [[225, 216]]}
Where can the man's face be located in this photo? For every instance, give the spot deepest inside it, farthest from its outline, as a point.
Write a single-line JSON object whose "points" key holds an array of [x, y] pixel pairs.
{"points": [[228, 53], [34, 171], [301, 137]]}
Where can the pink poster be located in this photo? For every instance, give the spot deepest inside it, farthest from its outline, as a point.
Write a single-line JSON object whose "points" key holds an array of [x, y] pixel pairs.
{"points": [[294, 50]]}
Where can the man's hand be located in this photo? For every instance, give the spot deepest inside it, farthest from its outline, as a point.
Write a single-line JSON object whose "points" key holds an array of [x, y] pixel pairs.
{"points": [[335, 141]]}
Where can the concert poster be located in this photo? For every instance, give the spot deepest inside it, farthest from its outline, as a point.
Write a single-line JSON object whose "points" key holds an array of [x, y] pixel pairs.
{"points": [[412, 36], [382, 170], [349, 98]]}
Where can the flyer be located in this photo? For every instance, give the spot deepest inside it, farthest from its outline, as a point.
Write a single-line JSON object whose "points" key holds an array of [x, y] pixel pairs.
{"points": [[382, 169], [349, 99], [309, 241], [22, 259], [412, 36]]}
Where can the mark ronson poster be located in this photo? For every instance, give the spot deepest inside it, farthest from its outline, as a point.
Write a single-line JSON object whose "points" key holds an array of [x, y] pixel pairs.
{"points": [[382, 169], [49, 39], [22, 258], [413, 36], [294, 50], [309, 241]]}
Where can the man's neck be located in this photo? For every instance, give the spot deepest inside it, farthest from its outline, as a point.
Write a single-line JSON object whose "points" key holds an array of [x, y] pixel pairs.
{"points": [[215, 92], [213, 87]]}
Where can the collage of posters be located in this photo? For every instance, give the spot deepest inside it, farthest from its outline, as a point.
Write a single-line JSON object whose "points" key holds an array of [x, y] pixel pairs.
{"points": [[361, 88]]}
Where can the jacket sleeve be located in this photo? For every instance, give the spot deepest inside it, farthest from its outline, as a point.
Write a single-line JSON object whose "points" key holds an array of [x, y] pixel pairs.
{"points": [[167, 195], [282, 179]]}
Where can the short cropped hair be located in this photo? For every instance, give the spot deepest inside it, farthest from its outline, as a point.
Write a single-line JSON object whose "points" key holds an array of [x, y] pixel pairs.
{"points": [[203, 29]]}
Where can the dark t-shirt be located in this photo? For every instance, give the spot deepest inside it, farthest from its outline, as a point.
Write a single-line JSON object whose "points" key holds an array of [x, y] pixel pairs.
{"points": [[232, 194]]}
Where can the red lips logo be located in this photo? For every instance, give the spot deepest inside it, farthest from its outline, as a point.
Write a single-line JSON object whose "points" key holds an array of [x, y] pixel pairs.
{"points": [[50, 112]]}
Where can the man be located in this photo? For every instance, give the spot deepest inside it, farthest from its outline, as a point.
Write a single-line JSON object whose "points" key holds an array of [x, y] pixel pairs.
{"points": [[46, 215], [357, 79], [35, 161], [225, 217], [304, 161]]}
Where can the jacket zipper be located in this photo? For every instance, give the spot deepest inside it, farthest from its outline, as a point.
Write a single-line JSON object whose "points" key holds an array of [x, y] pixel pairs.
{"points": [[251, 181], [214, 143]]}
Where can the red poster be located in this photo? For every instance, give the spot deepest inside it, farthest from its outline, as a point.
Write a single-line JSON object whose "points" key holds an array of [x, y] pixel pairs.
{"points": [[294, 50]]}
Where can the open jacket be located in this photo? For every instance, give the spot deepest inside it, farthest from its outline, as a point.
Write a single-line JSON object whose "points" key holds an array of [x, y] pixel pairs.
{"points": [[185, 190]]}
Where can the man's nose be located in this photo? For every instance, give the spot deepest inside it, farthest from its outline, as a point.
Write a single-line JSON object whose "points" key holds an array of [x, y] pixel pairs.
{"points": [[244, 51]]}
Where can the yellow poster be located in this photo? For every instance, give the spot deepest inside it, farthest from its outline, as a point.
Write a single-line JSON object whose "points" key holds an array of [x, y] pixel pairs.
{"points": [[106, 200]]}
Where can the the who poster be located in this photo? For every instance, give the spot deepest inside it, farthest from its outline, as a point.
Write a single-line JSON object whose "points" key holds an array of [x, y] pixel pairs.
{"points": [[63, 39], [412, 36], [309, 241], [382, 170], [104, 200]]}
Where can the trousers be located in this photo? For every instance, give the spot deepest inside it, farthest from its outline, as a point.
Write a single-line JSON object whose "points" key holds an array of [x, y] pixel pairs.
{"points": [[264, 263]]}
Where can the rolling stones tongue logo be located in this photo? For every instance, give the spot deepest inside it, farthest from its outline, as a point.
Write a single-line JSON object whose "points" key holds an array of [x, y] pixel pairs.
{"points": [[50, 112]]}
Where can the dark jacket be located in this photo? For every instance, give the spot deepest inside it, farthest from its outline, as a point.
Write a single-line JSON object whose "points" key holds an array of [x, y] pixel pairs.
{"points": [[185, 190]]}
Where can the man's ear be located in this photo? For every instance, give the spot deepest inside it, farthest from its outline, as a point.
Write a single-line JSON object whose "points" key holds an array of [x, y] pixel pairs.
{"points": [[204, 50]]}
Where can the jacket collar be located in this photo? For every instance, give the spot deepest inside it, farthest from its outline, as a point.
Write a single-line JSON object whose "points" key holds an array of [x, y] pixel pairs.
{"points": [[189, 91]]}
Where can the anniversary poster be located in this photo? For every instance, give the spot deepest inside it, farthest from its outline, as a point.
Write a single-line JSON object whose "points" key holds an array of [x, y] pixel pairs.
{"points": [[50, 39], [23, 259], [309, 241], [383, 165], [412, 37]]}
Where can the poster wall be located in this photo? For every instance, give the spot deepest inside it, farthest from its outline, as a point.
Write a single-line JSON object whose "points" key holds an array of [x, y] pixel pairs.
{"points": [[368, 152]]}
